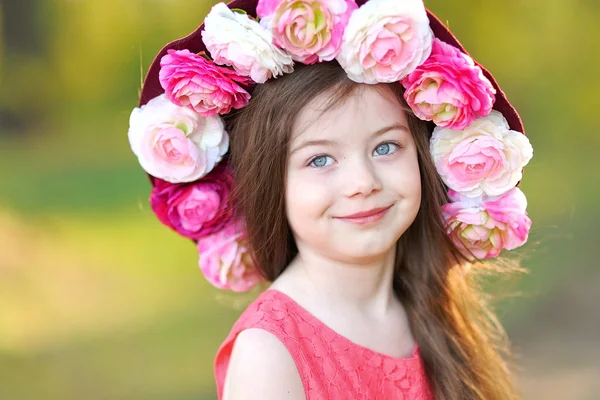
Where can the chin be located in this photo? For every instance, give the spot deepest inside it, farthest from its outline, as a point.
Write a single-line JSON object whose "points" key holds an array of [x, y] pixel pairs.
{"points": [[363, 257], [362, 250]]}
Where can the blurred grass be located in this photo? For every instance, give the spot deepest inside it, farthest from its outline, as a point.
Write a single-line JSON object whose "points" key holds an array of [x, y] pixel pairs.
{"points": [[100, 301], [86, 314]]}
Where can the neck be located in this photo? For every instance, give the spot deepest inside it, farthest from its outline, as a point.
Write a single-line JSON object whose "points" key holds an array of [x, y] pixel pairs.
{"points": [[365, 286]]}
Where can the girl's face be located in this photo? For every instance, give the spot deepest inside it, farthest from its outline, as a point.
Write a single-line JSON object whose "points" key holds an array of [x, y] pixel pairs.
{"points": [[353, 183]]}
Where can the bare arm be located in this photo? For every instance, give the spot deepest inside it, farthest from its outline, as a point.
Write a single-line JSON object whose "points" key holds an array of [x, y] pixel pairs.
{"points": [[261, 368]]}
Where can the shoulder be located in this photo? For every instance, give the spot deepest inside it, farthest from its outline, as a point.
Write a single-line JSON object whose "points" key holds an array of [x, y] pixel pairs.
{"points": [[261, 367]]}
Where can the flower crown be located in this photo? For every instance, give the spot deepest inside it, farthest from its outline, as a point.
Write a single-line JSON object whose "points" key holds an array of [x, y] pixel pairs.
{"points": [[180, 140]]}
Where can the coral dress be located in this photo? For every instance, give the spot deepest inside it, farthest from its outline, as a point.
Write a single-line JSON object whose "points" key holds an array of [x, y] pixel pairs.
{"points": [[331, 366]]}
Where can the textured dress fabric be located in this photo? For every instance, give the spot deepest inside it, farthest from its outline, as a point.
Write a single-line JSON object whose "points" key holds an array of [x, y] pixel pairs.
{"points": [[330, 365]]}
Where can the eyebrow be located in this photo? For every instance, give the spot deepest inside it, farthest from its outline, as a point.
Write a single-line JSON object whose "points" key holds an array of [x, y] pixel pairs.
{"points": [[326, 142]]}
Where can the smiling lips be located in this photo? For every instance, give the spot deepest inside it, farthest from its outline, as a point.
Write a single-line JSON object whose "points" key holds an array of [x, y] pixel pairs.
{"points": [[366, 217]]}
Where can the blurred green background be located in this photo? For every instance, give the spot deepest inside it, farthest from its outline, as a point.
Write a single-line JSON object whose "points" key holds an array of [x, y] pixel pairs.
{"points": [[99, 301]]}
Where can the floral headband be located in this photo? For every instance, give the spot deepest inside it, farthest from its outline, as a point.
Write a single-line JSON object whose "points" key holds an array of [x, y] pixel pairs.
{"points": [[177, 133]]}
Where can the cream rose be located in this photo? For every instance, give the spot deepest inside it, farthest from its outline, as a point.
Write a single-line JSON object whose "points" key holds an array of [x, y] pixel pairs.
{"points": [[174, 143], [236, 40], [385, 40], [485, 158]]}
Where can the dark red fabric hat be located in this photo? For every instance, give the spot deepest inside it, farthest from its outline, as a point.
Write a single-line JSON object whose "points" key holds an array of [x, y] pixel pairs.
{"points": [[193, 42]]}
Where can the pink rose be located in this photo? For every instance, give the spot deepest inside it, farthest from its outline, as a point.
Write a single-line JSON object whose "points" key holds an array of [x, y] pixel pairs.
{"points": [[309, 30], [192, 81], [195, 209], [487, 225], [448, 88], [485, 158], [175, 143], [385, 40], [225, 260]]}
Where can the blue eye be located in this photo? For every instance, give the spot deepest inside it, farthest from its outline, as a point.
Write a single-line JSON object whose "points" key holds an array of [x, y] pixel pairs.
{"points": [[320, 161], [385, 148]]}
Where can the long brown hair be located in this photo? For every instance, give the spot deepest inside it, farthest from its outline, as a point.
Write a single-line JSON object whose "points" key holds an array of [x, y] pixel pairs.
{"points": [[463, 347]]}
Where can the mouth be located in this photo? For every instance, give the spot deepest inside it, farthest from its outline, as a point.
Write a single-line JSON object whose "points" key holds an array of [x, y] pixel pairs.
{"points": [[365, 217]]}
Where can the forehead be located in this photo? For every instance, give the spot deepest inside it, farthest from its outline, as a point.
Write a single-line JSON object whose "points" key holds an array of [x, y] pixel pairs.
{"points": [[366, 110]]}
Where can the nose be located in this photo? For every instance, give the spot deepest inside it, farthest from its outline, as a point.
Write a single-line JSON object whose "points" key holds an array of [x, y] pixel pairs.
{"points": [[362, 178]]}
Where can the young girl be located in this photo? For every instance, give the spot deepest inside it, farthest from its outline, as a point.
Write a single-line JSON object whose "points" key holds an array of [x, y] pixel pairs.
{"points": [[355, 157]]}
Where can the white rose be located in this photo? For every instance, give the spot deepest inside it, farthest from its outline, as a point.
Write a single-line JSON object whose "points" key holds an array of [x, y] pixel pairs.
{"points": [[385, 40], [236, 40], [485, 158], [174, 143]]}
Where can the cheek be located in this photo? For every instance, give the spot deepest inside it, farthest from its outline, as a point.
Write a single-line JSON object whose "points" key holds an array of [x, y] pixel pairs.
{"points": [[306, 196], [403, 176]]}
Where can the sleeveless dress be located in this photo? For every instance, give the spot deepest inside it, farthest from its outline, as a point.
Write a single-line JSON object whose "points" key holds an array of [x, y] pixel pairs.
{"points": [[331, 366]]}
